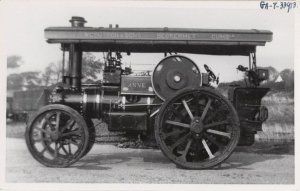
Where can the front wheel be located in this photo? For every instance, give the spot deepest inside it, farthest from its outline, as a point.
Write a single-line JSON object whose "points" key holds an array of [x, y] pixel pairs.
{"points": [[92, 136], [57, 136], [197, 128]]}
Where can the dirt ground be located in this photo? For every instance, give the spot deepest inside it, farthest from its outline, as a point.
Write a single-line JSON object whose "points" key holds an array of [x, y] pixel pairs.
{"points": [[267, 161], [110, 164]]}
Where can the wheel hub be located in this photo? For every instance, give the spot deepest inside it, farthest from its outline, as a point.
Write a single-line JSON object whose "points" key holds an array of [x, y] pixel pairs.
{"points": [[197, 125], [55, 136], [177, 78]]}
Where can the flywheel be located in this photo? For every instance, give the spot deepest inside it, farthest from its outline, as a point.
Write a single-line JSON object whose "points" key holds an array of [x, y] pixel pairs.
{"points": [[174, 73]]}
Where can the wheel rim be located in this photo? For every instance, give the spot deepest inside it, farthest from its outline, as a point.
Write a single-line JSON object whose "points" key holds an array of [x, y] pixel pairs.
{"points": [[92, 136], [197, 129], [57, 138]]}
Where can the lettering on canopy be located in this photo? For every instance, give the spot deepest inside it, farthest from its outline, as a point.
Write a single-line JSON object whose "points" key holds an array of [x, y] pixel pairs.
{"points": [[222, 36], [158, 35]]}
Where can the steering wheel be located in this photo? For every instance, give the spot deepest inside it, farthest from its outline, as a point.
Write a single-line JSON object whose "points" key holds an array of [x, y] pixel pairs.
{"points": [[210, 72]]}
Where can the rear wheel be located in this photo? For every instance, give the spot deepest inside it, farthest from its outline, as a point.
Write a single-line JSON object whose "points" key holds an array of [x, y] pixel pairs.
{"points": [[57, 136], [197, 128]]}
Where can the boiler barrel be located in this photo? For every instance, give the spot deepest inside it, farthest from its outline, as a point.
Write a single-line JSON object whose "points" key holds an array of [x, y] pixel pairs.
{"points": [[91, 102]]}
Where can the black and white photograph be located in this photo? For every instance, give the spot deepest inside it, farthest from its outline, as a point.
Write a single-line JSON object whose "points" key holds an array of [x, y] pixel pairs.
{"points": [[148, 94]]}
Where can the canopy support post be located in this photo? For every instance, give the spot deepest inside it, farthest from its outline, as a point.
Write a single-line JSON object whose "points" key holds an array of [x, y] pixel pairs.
{"points": [[63, 65], [252, 60]]}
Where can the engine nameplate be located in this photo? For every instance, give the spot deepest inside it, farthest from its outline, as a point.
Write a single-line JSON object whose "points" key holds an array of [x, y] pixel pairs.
{"points": [[140, 85]]}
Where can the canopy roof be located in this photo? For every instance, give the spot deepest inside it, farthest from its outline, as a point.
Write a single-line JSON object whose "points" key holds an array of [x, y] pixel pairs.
{"points": [[199, 41]]}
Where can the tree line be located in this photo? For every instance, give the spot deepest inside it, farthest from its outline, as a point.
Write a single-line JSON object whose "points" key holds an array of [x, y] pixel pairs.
{"points": [[282, 81], [52, 74]]}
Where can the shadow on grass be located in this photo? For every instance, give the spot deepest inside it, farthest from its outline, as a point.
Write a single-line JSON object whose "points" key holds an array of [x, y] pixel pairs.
{"points": [[286, 148], [101, 162], [238, 160], [244, 161]]}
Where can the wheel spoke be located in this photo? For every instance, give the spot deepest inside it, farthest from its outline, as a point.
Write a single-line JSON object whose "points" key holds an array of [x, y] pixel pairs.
{"points": [[74, 142], [196, 99], [177, 113], [42, 152], [47, 119], [178, 124], [186, 150], [42, 139], [205, 109], [207, 149], [48, 149], [188, 109], [175, 132], [70, 150], [55, 151], [213, 115], [207, 126], [64, 149], [76, 132], [70, 123], [60, 145], [180, 141], [57, 121], [221, 133], [215, 142], [43, 130]]}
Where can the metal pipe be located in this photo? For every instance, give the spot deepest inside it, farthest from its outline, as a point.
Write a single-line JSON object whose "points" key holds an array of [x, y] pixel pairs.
{"points": [[68, 69], [63, 65], [75, 66]]}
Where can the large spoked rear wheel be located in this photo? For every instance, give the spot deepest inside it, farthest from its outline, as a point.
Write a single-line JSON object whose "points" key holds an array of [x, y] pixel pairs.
{"points": [[57, 136], [197, 128]]}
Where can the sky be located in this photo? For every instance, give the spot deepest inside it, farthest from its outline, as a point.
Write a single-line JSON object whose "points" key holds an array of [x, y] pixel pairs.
{"points": [[25, 21]]}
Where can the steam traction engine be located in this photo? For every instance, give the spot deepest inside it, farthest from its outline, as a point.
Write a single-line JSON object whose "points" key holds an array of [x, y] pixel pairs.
{"points": [[194, 125]]}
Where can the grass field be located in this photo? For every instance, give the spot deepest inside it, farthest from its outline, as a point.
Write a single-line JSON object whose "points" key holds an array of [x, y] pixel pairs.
{"points": [[281, 108], [280, 124]]}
